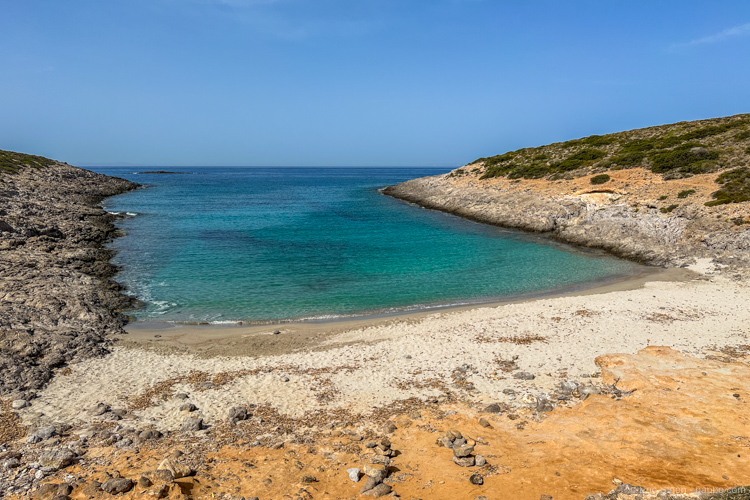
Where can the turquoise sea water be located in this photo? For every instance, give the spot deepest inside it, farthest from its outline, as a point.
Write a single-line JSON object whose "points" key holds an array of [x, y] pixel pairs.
{"points": [[263, 244]]}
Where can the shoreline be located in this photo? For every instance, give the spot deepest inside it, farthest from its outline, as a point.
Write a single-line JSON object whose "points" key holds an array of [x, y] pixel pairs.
{"points": [[183, 337]]}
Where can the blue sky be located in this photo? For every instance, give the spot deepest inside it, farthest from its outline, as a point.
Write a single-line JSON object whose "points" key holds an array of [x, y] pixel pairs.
{"points": [[355, 82]]}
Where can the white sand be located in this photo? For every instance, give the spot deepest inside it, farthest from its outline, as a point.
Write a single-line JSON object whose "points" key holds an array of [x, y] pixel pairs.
{"points": [[692, 316]]}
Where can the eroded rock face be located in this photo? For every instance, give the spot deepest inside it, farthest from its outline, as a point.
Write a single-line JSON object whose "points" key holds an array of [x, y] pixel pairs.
{"points": [[642, 234], [57, 300]]}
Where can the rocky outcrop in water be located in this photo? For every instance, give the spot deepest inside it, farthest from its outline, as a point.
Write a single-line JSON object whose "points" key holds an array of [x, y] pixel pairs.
{"points": [[57, 301], [615, 222]]}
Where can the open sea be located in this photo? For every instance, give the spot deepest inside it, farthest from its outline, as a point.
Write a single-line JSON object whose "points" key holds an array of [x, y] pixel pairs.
{"points": [[257, 244]]}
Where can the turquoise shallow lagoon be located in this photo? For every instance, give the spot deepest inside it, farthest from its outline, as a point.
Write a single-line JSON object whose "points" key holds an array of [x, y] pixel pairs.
{"points": [[267, 244]]}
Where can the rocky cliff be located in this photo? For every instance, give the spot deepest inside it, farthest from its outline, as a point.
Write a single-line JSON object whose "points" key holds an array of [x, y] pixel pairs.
{"points": [[640, 210], [57, 301]]}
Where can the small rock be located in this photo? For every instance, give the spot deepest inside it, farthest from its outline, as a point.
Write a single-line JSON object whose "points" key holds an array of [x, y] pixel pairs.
{"points": [[444, 441], [481, 497], [353, 474], [484, 422], [181, 395], [378, 491], [524, 376], [18, 404], [454, 434], [99, 409], [114, 486], [371, 444], [480, 461], [546, 497], [277, 446], [476, 479], [463, 451], [390, 428], [285, 379], [451, 412], [45, 432], [277, 332], [177, 469], [464, 461], [376, 471], [57, 459], [188, 407], [509, 392], [192, 424], [309, 479], [150, 434], [144, 482], [11, 463], [493, 408], [568, 386], [124, 443], [160, 476], [237, 414]]}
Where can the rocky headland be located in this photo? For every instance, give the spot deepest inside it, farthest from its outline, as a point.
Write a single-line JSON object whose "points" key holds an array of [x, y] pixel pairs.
{"points": [[58, 302], [662, 195]]}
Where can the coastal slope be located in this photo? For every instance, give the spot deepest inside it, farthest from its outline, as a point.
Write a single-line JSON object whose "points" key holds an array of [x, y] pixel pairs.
{"points": [[58, 302], [662, 195]]}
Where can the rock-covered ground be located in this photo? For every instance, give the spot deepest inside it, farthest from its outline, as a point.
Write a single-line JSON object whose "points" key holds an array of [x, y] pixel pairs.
{"points": [[57, 301]]}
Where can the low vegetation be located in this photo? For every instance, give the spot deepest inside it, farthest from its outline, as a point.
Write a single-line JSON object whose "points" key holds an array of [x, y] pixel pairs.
{"points": [[735, 187], [11, 162], [674, 151], [666, 210], [600, 179], [685, 193]]}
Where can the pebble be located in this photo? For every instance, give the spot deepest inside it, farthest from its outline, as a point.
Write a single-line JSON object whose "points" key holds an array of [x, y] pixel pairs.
{"points": [[476, 479], [481, 497], [285, 379], [524, 376], [18, 404], [11, 463], [451, 412], [484, 422], [57, 459], [353, 474], [390, 428], [480, 461], [371, 444], [181, 395], [569, 385]]}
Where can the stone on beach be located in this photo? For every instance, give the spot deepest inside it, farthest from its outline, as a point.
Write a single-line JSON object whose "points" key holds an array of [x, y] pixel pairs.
{"points": [[192, 424]]}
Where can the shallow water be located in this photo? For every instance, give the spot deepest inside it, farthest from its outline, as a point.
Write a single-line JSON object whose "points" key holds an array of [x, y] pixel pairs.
{"points": [[265, 244]]}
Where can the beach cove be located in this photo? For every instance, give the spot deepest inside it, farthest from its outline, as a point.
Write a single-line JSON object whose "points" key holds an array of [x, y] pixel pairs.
{"points": [[633, 387]]}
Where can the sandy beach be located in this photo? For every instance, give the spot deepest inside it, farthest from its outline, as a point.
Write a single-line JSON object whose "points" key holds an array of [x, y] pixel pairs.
{"points": [[314, 383]]}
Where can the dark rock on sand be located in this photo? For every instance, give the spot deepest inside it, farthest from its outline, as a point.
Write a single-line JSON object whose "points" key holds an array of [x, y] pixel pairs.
{"points": [[114, 486]]}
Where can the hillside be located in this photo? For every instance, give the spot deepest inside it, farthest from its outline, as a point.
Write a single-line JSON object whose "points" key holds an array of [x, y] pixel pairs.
{"points": [[660, 195]]}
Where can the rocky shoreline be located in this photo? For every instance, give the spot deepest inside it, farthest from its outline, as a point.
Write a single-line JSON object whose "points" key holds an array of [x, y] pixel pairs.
{"points": [[618, 219], [58, 301]]}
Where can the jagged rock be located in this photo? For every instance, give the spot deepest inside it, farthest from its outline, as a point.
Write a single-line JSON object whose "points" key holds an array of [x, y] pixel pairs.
{"points": [[57, 459], [177, 469], [464, 461], [463, 451], [237, 414], [192, 424], [353, 474], [114, 486]]}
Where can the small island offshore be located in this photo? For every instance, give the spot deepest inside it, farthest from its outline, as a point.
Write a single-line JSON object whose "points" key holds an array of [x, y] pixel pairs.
{"points": [[637, 389]]}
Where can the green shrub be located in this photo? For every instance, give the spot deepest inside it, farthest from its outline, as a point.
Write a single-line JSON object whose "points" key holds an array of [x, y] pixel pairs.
{"points": [[632, 159], [600, 179], [492, 161], [735, 187], [683, 159], [741, 136], [579, 159], [670, 208], [711, 130], [663, 197], [685, 193]]}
